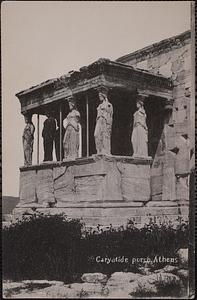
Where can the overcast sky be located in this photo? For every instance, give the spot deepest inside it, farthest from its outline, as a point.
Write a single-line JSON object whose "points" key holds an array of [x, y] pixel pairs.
{"points": [[43, 40]]}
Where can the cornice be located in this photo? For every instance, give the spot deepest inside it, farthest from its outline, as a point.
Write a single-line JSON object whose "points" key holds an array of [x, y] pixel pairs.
{"points": [[157, 48], [102, 66]]}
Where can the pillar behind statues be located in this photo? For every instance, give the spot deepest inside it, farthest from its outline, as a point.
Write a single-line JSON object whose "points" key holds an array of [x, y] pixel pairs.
{"points": [[139, 136], [28, 140], [48, 134], [102, 133], [57, 141]]}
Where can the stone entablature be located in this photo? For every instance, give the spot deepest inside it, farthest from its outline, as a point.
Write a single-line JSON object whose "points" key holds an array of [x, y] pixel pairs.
{"points": [[155, 49], [101, 73]]}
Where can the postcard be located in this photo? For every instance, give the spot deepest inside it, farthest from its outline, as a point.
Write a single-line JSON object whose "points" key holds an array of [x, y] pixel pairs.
{"points": [[98, 149]]}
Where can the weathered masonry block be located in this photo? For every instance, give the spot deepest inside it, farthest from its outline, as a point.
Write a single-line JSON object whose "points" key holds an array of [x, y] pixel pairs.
{"points": [[97, 179]]}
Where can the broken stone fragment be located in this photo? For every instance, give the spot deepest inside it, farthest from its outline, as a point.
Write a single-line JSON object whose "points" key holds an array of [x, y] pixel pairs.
{"points": [[183, 257], [94, 277]]}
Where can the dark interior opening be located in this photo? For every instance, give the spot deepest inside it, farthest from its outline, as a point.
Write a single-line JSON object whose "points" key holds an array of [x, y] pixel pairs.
{"points": [[123, 109], [93, 102], [54, 109], [81, 107], [124, 106], [154, 108]]}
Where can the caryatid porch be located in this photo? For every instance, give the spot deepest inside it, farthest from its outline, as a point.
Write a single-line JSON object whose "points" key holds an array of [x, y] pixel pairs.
{"points": [[102, 189]]}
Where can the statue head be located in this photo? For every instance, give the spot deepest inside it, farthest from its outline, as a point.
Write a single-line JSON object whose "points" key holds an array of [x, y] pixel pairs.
{"points": [[47, 114], [71, 102], [102, 92], [102, 97], [71, 105], [139, 105], [28, 118], [140, 102]]}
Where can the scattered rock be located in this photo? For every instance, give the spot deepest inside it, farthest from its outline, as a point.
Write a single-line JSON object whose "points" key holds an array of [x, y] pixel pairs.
{"points": [[145, 288], [156, 278], [183, 274], [33, 295], [122, 281], [159, 271], [118, 277], [183, 258], [170, 269], [61, 292], [120, 285], [13, 285], [132, 287], [119, 294], [167, 269], [43, 282], [150, 284], [145, 271], [89, 288], [94, 277]]}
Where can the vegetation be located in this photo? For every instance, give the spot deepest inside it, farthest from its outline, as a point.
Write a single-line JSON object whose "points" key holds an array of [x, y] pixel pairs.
{"points": [[54, 247]]}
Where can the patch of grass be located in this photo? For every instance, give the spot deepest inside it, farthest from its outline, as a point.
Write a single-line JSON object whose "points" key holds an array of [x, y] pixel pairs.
{"points": [[170, 288]]}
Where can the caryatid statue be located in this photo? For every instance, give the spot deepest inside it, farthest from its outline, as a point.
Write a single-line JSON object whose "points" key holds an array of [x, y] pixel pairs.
{"points": [[102, 133], [28, 140], [139, 136], [72, 132]]}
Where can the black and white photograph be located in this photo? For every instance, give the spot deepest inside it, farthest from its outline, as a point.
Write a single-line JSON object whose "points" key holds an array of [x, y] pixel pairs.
{"points": [[98, 149]]}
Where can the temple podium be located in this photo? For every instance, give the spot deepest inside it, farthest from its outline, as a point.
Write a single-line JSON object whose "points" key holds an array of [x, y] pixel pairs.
{"points": [[99, 189]]}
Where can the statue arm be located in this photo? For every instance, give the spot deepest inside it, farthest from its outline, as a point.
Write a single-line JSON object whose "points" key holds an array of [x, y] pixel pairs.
{"points": [[32, 129]]}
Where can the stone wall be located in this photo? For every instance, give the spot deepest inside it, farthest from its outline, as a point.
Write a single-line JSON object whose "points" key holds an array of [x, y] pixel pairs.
{"points": [[171, 166], [100, 189]]}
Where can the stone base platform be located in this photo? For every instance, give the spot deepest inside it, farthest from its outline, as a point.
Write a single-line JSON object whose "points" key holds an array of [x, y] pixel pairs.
{"points": [[96, 178], [115, 216], [99, 189]]}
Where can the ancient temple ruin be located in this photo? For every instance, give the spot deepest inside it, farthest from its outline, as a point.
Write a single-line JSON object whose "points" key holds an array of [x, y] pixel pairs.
{"points": [[139, 172]]}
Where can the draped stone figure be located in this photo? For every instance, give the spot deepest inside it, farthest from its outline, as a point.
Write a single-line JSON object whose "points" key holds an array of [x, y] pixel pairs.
{"points": [[48, 134], [102, 133], [139, 136], [28, 140], [71, 136]]}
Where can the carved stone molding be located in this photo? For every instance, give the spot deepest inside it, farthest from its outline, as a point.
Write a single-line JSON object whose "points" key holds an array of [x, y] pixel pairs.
{"points": [[157, 48], [101, 74], [102, 89]]}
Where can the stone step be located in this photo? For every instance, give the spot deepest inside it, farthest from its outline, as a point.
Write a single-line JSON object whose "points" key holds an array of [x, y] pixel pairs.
{"points": [[5, 224], [7, 217]]}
